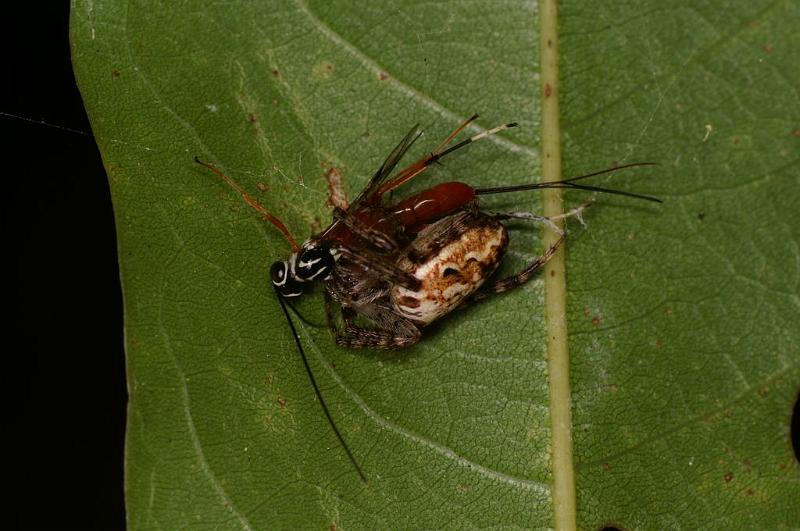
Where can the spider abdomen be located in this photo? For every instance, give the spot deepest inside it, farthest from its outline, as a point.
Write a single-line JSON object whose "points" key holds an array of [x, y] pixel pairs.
{"points": [[451, 258]]}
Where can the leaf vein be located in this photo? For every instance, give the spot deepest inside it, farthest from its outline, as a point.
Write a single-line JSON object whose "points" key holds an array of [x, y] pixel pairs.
{"points": [[413, 93]]}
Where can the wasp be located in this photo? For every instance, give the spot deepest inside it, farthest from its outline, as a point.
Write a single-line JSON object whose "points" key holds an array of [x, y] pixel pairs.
{"points": [[393, 268]]}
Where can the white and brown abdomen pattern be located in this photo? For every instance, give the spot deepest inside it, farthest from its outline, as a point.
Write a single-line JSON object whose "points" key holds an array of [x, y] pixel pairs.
{"points": [[452, 258]]}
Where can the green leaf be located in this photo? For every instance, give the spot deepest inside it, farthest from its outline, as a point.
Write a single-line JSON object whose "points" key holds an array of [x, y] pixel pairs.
{"points": [[683, 318]]}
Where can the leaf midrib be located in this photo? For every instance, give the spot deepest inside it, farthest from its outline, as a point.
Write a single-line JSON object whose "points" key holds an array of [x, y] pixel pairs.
{"points": [[563, 493]]}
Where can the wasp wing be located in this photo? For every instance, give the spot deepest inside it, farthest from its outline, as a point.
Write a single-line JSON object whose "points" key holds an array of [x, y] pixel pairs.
{"points": [[385, 171]]}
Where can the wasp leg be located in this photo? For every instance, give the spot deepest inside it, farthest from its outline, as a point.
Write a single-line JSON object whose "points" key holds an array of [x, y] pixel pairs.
{"points": [[373, 237], [392, 330], [411, 171], [376, 266], [520, 278]]}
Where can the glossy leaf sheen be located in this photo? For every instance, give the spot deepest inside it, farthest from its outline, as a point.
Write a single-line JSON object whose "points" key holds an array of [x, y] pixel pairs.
{"points": [[683, 317]]}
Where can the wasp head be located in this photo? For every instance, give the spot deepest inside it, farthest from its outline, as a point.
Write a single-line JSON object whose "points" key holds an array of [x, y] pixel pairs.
{"points": [[312, 262]]}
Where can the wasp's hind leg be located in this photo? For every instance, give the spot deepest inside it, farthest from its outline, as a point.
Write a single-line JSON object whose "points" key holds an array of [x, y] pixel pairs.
{"points": [[391, 330]]}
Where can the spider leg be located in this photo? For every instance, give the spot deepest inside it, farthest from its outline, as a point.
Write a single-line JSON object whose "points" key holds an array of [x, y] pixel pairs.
{"points": [[525, 275], [391, 330], [520, 278], [376, 266], [576, 212]]}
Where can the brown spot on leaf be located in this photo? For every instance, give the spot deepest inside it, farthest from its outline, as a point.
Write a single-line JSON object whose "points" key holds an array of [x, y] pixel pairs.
{"points": [[261, 186], [595, 321], [281, 402], [728, 477], [115, 73], [322, 71], [383, 76], [548, 90], [768, 47]]}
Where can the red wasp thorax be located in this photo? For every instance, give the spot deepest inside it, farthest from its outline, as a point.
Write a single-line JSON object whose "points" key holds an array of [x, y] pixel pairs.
{"points": [[408, 216]]}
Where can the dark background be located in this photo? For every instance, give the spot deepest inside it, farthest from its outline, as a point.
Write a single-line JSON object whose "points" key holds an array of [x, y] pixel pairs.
{"points": [[64, 374]]}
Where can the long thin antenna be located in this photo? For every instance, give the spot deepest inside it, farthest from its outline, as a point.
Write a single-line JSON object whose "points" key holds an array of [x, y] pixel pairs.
{"points": [[318, 392], [300, 315], [570, 183], [253, 203]]}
